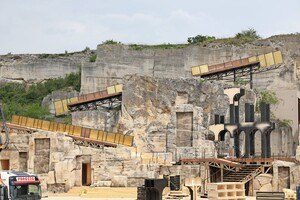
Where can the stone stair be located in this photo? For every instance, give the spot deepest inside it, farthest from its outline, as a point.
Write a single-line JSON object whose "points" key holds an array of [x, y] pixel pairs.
{"points": [[245, 174]]}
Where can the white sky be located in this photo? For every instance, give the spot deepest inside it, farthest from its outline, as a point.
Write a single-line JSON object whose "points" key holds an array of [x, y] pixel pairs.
{"points": [[53, 26]]}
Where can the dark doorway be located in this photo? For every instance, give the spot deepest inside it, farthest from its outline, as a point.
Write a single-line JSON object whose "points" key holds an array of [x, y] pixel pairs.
{"points": [[284, 177], [215, 174], [86, 174], [4, 164]]}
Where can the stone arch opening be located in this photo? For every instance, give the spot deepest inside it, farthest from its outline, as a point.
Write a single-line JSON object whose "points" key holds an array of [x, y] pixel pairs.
{"points": [[224, 143], [241, 143], [257, 136]]}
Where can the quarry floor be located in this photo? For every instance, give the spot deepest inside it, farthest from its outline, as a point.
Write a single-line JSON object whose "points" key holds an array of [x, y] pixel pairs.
{"points": [[103, 193]]}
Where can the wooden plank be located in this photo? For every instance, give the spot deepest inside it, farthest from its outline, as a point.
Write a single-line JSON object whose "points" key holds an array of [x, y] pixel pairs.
{"points": [[15, 119], [110, 137], [278, 57], [119, 88], [77, 131], [94, 134], [128, 140], [269, 59], [111, 90]]}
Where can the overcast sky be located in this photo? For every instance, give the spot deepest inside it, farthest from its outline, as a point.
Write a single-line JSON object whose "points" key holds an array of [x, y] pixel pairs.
{"points": [[53, 26]]}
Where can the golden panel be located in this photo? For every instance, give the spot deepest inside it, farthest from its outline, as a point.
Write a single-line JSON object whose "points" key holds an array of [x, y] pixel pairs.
{"points": [[94, 134], [128, 140], [77, 131], [73, 100], [53, 126], [65, 106], [110, 137], [262, 60], [121, 139], [111, 90], [196, 71], [117, 138], [101, 135], [252, 59], [58, 107], [269, 59], [30, 122], [119, 88], [61, 127], [46, 125], [278, 57], [23, 121], [69, 129], [204, 69], [35, 123], [15, 119], [39, 124]]}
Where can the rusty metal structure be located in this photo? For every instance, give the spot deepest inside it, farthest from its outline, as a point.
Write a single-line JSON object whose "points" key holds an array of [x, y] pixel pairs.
{"points": [[95, 100], [239, 68], [213, 162], [109, 98]]}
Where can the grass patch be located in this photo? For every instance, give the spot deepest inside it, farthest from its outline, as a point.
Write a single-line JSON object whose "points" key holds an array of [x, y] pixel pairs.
{"points": [[158, 46]]}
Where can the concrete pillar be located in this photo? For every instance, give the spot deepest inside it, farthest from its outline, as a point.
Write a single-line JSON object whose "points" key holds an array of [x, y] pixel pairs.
{"points": [[264, 145], [236, 144], [247, 143]]}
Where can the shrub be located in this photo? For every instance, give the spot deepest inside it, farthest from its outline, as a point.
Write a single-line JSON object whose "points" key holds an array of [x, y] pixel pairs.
{"points": [[268, 97], [111, 42], [200, 39], [247, 35], [93, 58]]}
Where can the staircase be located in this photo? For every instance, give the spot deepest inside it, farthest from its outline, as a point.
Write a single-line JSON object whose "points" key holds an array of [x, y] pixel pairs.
{"points": [[245, 174]]}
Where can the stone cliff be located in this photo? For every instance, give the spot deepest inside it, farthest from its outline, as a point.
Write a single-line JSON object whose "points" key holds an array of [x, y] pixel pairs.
{"points": [[32, 68], [115, 61]]}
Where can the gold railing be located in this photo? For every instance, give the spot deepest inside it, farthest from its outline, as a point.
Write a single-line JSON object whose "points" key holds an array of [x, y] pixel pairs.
{"points": [[75, 131], [61, 106]]}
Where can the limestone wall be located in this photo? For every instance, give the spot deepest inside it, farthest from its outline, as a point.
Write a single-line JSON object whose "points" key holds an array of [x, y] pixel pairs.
{"points": [[36, 72], [115, 61], [150, 109], [30, 68], [97, 119]]}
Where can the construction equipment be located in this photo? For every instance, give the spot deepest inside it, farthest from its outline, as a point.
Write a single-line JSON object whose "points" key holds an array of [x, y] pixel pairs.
{"points": [[19, 185], [3, 145]]}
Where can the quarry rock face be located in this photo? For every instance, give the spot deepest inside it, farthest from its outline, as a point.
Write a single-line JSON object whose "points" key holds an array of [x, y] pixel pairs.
{"points": [[115, 61], [33, 68], [167, 115], [168, 119], [166, 110]]}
